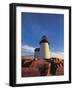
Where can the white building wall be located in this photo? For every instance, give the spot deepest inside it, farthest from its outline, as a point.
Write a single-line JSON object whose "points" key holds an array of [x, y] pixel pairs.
{"points": [[36, 54]]}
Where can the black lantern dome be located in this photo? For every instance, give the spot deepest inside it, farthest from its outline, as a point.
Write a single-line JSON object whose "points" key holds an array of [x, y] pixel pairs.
{"points": [[44, 39]]}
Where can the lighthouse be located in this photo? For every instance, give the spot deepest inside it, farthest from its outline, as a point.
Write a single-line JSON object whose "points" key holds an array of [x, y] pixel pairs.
{"points": [[44, 52]]}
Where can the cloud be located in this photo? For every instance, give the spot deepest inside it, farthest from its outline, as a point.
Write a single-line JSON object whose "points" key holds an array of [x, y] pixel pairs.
{"points": [[57, 54], [27, 48]]}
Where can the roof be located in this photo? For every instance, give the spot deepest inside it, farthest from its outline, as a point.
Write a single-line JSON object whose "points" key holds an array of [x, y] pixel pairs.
{"points": [[37, 49]]}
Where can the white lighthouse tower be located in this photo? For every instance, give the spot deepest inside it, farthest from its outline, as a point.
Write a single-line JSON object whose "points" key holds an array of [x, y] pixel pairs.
{"points": [[44, 52]]}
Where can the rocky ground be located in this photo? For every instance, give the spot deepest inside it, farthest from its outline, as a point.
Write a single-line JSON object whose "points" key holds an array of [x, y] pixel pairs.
{"points": [[42, 67]]}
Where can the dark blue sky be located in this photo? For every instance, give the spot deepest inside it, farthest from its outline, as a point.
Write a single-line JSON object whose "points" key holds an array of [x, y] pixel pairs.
{"points": [[35, 25]]}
